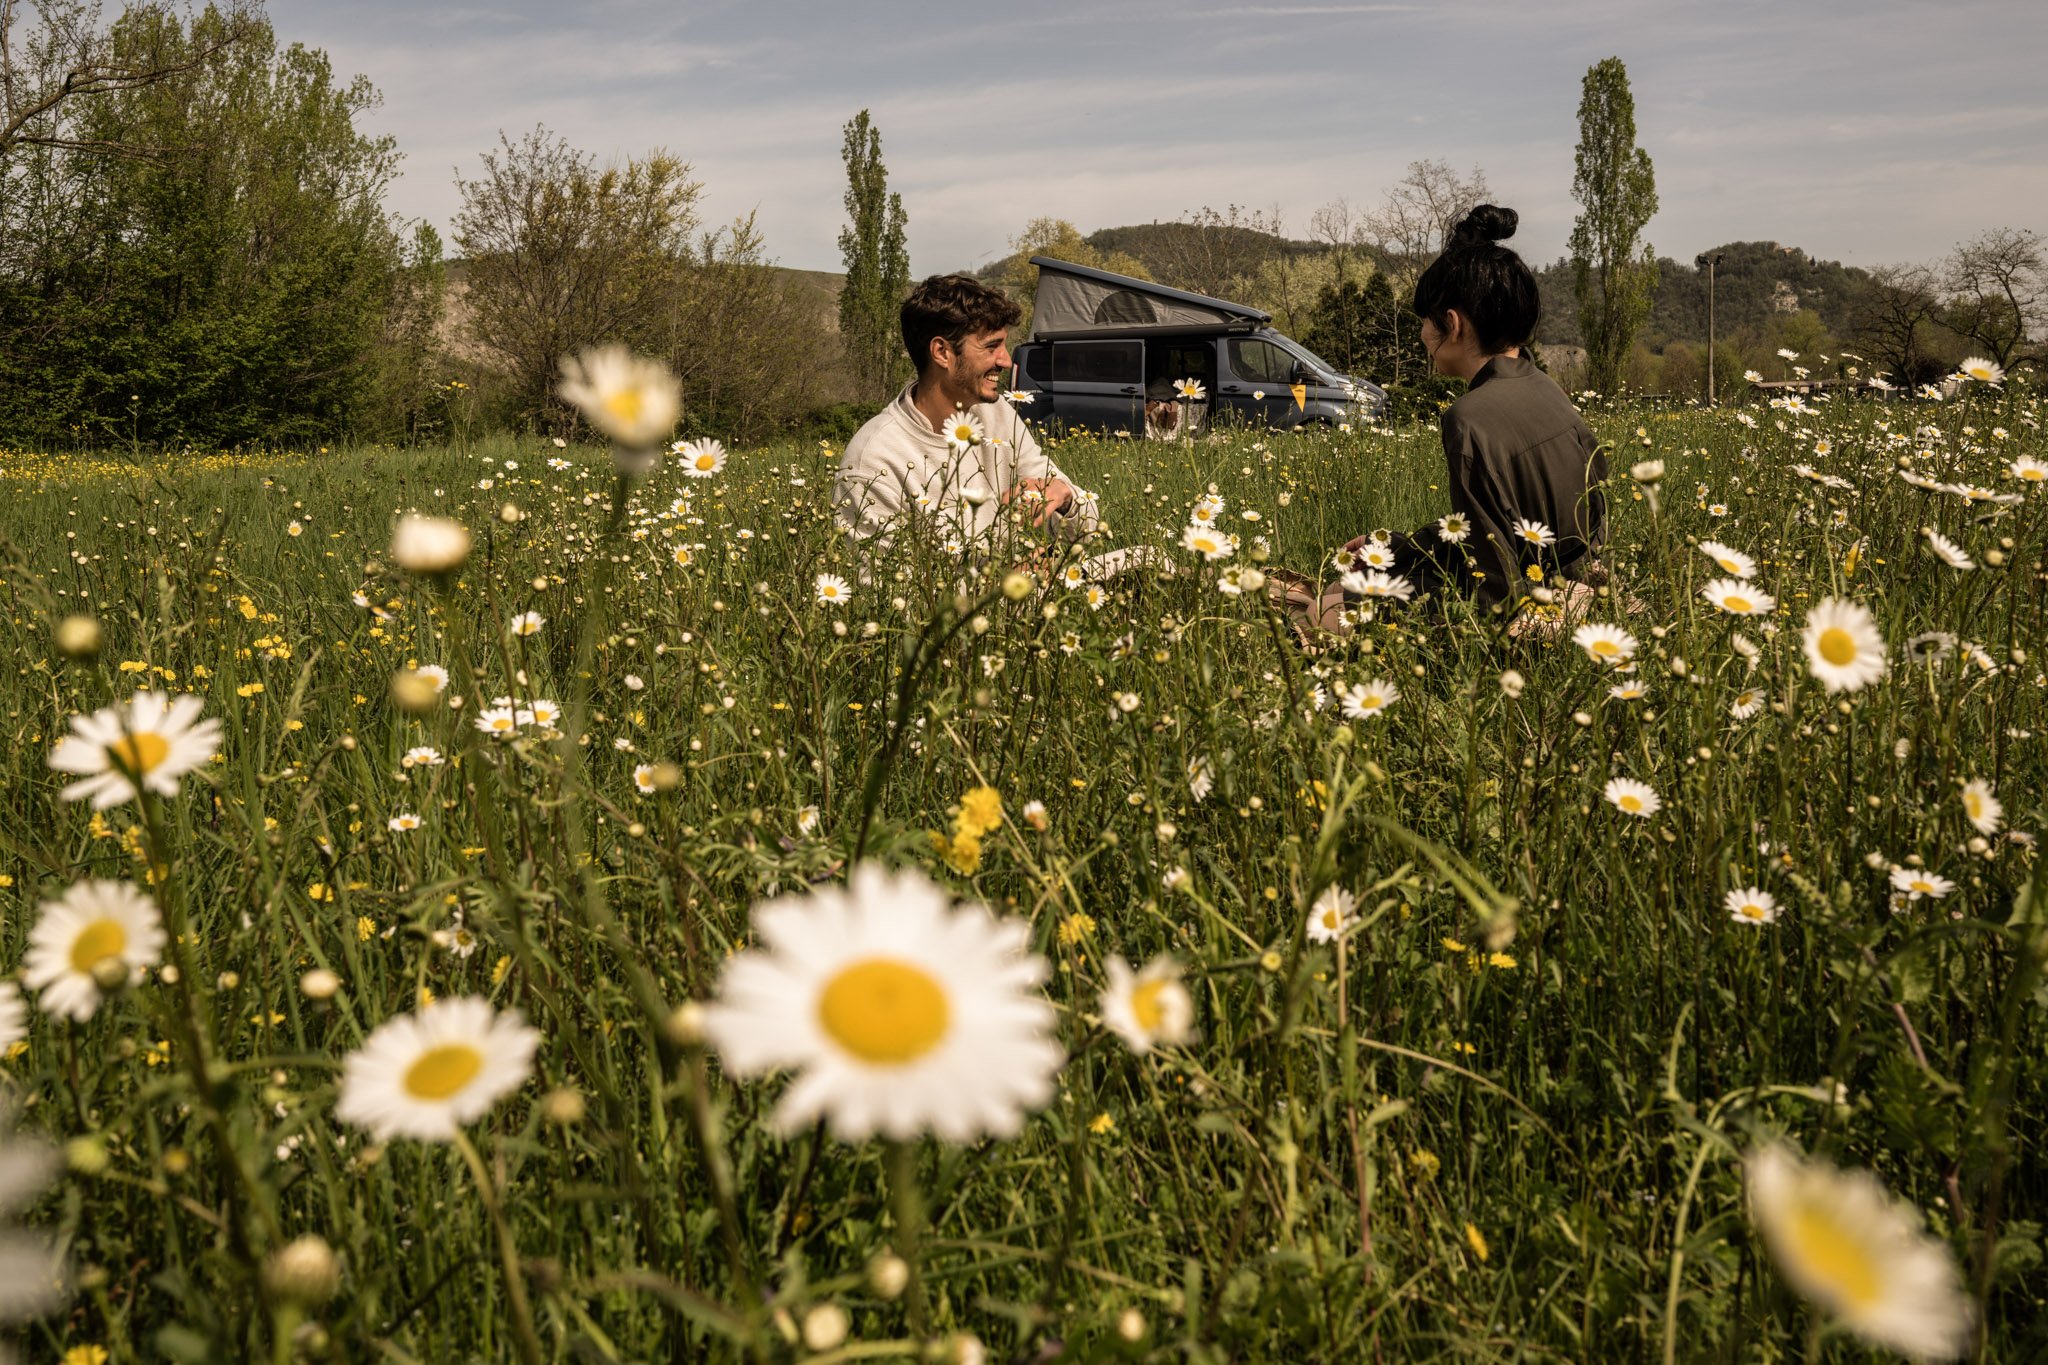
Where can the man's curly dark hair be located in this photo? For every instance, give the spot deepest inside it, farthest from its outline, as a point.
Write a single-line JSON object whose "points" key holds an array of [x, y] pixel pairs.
{"points": [[953, 307]]}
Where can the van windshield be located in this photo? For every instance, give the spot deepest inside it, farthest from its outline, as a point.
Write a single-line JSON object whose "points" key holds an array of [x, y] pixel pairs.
{"points": [[1301, 352]]}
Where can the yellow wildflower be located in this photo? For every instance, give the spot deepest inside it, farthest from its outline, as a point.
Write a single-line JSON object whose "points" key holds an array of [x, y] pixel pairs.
{"points": [[981, 811], [1476, 1239]]}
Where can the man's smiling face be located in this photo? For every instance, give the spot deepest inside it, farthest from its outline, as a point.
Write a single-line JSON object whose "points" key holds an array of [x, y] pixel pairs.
{"points": [[976, 370]]}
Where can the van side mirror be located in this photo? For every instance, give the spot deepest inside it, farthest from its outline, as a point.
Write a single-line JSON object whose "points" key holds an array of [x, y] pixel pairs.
{"points": [[1301, 374]]}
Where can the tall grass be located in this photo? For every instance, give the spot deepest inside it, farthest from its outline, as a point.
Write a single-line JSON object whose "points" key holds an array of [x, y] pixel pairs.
{"points": [[1504, 1122]]}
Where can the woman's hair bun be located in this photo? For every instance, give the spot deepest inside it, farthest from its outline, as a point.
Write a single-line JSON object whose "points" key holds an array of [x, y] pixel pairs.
{"points": [[1485, 223]]}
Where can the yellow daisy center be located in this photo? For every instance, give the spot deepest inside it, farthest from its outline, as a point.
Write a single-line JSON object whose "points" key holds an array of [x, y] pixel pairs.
{"points": [[139, 753], [2034, 475], [707, 461], [1738, 605], [1606, 647], [1837, 646], [1922, 885], [885, 1011], [1730, 565], [1974, 804], [98, 941], [1148, 1005], [1751, 910], [1630, 802], [624, 405], [1332, 921], [1828, 1253], [443, 1071], [1371, 702]]}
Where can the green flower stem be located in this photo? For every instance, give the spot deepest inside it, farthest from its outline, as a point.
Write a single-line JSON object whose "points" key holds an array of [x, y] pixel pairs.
{"points": [[530, 1350]]}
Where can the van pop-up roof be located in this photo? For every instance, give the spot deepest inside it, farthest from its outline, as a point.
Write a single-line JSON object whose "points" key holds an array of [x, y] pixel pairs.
{"points": [[1078, 301]]}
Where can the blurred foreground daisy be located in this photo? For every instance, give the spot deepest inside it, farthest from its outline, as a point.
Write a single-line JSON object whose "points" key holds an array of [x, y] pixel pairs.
{"points": [[1981, 806], [151, 744], [900, 1012], [429, 545], [633, 400], [1149, 1007], [1982, 370], [95, 938], [1846, 1244], [426, 1075], [1843, 648]]}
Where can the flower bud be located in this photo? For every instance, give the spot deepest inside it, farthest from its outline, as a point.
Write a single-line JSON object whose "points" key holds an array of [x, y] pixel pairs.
{"points": [[825, 1327], [429, 545], [303, 1271], [78, 637], [319, 984], [413, 691]]}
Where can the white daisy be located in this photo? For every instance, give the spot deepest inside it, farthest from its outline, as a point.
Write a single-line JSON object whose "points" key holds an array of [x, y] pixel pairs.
{"points": [[643, 779], [426, 1075], [1982, 370], [1148, 1007], [900, 1013], [95, 937], [1843, 647], [962, 432], [1331, 914], [1948, 552], [2027, 469], [1981, 806], [526, 623], [1369, 700], [544, 713], [1534, 532], [405, 822], [1751, 905], [1631, 797], [1737, 598], [1378, 584], [1201, 779], [1190, 389], [1453, 527], [1635, 689], [1605, 644], [702, 459], [1375, 554], [499, 721], [1915, 882], [1732, 561], [1210, 544], [153, 742], [1846, 1244], [434, 674], [631, 399], [1748, 702], [832, 590], [423, 756]]}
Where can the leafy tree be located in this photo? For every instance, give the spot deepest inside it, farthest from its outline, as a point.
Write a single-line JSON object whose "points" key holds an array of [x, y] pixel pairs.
{"points": [[874, 247], [562, 254], [229, 286], [2000, 290], [1897, 321], [1365, 331], [1613, 181]]}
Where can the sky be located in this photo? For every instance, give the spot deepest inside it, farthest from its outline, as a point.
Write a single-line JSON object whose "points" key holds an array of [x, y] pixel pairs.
{"points": [[1866, 132]]}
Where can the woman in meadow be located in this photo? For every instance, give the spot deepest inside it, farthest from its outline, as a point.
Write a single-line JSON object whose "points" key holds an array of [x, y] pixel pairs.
{"points": [[1524, 468]]}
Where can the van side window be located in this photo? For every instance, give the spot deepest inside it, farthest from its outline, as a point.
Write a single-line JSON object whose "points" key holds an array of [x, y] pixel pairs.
{"points": [[1260, 362], [1038, 362], [1098, 362]]}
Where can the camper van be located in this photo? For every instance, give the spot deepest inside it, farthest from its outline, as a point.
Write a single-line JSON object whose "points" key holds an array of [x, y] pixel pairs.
{"points": [[1106, 353]]}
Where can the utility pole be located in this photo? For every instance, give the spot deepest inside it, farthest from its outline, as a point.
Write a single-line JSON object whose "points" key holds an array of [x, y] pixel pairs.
{"points": [[1706, 262]]}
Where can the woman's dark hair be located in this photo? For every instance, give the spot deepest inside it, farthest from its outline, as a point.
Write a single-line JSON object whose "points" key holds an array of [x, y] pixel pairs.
{"points": [[953, 307], [1486, 282]]}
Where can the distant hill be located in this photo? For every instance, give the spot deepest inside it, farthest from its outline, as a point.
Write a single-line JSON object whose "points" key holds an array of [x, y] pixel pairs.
{"points": [[1755, 282], [1161, 245]]}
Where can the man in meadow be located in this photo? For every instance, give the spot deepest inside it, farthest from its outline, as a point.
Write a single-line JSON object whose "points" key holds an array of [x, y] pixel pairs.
{"points": [[952, 447]]}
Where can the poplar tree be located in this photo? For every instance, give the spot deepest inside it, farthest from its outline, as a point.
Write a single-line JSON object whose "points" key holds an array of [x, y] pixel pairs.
{"points": [[1614, 278], [875, 249]]}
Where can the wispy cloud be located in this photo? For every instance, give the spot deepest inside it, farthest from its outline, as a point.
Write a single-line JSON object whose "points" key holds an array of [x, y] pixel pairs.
{"points": [[1861, 135]]}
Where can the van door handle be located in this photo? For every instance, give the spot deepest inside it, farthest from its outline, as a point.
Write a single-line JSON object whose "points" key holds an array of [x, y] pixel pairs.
{"points": [[1231, 388], [1129, 389]]}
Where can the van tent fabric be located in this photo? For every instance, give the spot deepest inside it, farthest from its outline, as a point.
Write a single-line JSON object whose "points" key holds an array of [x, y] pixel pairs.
{"points": [[1075, 299]]}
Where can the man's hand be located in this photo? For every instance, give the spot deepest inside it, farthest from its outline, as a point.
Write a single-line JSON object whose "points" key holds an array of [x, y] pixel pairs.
{"points": [[1057, 495]]}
